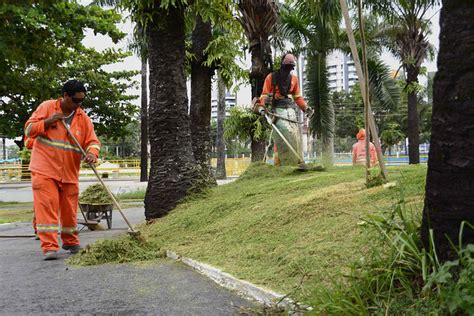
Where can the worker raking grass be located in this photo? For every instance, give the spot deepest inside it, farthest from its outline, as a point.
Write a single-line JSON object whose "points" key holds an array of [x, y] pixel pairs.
{"points": [[55, 163]]}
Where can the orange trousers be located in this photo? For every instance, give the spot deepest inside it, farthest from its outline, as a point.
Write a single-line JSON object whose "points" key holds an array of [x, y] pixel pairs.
{"points": [[55, 205]]}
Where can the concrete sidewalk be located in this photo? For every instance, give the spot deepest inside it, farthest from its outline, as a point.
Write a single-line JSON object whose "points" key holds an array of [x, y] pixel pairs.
{"points": [[162, 287]]}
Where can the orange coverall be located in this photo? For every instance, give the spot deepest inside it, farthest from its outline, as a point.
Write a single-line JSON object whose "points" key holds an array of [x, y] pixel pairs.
{"points": [[358, 151], [54, 165], [294, 91], [29, 142]]}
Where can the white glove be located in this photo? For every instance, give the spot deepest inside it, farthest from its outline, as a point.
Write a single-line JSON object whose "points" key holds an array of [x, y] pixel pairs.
{"points": [[262, 111]]}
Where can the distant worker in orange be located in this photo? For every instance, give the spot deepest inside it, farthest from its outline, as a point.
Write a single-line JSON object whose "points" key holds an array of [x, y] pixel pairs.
{"points": [[54, 165], [358, 151], [281, 89]]}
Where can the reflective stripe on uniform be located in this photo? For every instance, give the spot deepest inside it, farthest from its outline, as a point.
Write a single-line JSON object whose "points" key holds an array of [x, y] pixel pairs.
{"points": [[28, 130], [93, 146], [69, 230], [59, 144], [47, 228]]}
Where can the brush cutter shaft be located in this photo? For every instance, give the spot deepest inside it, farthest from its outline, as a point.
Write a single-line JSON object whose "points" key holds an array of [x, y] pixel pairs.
{"points": [[269, 120], [284, 118], [98, 177]]}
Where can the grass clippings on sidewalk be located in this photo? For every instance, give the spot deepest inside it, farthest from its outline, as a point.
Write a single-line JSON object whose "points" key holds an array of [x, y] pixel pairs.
{"points": [[277, 226]]}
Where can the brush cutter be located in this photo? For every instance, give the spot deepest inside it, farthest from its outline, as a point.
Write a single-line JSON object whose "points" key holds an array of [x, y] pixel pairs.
{"points": [[269, 120], [284, 118], [131, 231]]}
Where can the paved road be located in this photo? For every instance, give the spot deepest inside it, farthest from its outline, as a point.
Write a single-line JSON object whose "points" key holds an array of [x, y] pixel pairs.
{"points": [[21, 191], [30, 285]]}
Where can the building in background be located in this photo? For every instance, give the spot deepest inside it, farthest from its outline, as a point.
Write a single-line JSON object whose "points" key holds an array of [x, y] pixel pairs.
{"points": [[342, 74]]}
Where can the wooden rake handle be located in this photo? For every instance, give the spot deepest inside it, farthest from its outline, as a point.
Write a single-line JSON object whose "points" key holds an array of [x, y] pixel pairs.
{"points": [[98, 177]]}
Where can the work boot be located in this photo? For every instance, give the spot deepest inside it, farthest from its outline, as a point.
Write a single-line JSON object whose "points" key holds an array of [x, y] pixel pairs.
{"points": [[50, 255], [72, 248]]}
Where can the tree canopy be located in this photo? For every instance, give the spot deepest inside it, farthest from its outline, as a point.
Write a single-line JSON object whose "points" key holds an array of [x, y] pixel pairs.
{"points": [[41, 47]]}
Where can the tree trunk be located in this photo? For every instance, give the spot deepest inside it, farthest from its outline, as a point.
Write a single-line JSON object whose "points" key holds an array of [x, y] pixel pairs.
{"points": [[220, 169], [413, 120], [174, 172], [200, 110], [449, 198], [144, 125], [261, 57]]}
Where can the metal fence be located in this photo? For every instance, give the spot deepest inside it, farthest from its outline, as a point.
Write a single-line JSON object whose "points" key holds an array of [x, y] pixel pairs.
{"points": [[130, 169], [112, 169]]}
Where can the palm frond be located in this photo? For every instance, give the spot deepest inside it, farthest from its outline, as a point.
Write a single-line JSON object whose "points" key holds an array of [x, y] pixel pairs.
{"points": [[317, 92], [383, 88]]}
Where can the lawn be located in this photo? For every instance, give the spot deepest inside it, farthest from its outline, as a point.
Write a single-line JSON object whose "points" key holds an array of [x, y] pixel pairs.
{"points": [[275, 226], [15, 212]]}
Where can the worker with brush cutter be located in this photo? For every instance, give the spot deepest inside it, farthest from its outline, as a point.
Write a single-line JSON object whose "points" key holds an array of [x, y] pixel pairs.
{"points": [[54, 165], [281, 89]]}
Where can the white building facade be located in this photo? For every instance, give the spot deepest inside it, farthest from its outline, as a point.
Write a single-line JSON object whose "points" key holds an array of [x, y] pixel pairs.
{"points": [[342, 74]]}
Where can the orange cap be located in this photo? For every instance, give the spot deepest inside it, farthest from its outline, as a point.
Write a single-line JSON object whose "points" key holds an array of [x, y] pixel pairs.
{"points": [[361, 134]]}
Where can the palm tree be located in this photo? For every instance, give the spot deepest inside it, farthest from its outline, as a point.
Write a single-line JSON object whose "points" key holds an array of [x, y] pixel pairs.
{"points": [[313, 27], [408, 41], [258, 17], [139, 46], [200, 108], [449, 198], [220, 144], [174, 171]]}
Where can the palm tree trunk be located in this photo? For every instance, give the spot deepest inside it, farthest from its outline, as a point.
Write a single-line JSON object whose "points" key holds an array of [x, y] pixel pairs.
{"points": [[449, 198], [260, 70], [220, 169], [174, 171], [413, 120], [144, 124], [200, 110]]}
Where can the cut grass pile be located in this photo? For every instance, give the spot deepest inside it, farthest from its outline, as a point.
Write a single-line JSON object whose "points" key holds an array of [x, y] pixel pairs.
{"points": [[276, 226]]}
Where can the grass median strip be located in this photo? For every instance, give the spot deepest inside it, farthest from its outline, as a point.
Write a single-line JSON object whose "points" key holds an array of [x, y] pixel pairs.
{"points": [[275, 227]]}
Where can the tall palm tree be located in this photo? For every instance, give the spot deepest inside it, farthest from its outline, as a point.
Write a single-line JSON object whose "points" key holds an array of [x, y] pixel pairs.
{"points": [[313, 26], [200, 107], [220, 144], [139, 46], [449, 198], [174, 171], [408, 41], [258, 18]]}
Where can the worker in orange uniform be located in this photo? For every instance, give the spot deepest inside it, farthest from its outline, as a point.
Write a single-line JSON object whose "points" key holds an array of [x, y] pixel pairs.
{"points": [[283, 87], [29, 142], [54, 165], [358, 151]]}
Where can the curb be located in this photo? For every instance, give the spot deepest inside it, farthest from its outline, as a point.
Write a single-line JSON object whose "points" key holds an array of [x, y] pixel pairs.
{"points": [[242, 287]]}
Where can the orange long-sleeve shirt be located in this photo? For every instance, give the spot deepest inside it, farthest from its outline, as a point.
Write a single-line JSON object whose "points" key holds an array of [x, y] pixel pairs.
{"points": [[54, 153], [358, 153], [294, 91]]}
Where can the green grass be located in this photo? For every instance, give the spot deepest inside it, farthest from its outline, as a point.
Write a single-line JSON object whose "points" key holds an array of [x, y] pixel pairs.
{"points": [[133, 195], [15, 212], [275, 226]]}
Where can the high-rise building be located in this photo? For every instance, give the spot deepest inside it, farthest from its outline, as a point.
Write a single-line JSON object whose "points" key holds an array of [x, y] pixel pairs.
{"points": [[342, 74], [230, 102]]}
